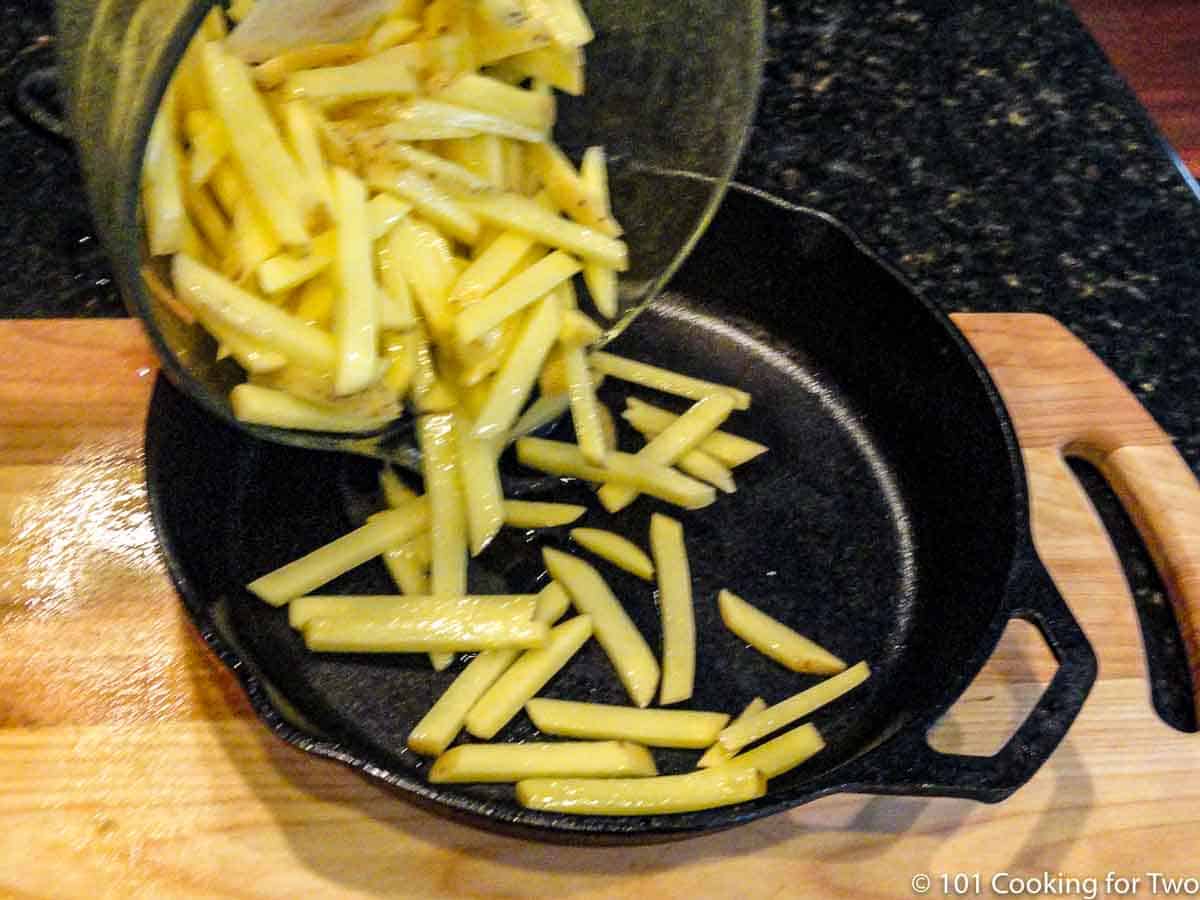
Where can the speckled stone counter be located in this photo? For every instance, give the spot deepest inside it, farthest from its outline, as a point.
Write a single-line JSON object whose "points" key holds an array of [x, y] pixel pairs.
{"points": [[987, 149]]}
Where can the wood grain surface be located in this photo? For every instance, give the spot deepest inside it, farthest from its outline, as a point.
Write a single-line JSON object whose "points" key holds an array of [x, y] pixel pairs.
{"points": [[1155, 45], [131, 766]]}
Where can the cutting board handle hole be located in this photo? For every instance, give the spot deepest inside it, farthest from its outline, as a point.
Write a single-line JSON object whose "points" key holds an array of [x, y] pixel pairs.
{"points": [[1171, 689]]}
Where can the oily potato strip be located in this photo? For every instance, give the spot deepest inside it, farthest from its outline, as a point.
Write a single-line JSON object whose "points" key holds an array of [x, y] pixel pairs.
{"points": [[514, 295], [490, 268], [617, 550], [677, 439], [431, 120], [664, 380], [675, 603], [447, 514], [442, 723], [493, 96], [517, 376], [716, 754], [730, 449], [382, 607], [705, 789], [477, 463], [417, 635], [423, 256], [534, 514], [772, 638], [784, 753], [622, 642], [585, 407], [438, 168], [428, 199], [383, 75], [681, 728], [162, 184], [257, 405], [249, 353], [567, 189], [525, 677], [706, 468], [525, 215], [339, 556], [565, 759], [784, 713], [558, 458], [356, 307], [410, 575]]}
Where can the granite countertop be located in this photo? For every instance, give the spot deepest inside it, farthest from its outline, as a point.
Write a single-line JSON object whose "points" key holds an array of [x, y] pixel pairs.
{"points": [[986, 149]]}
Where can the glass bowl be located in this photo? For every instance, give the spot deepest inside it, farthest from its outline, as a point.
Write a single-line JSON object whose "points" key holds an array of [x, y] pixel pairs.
{"points": [[671, 92]]}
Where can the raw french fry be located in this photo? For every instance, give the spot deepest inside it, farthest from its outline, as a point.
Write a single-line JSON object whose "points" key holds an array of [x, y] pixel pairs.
{"points": [[385, 607], [525, 677], [565, 759], [514, 295], [227, 187], [211, 295], [274, 71], [492, 96], [622, 642], [568, 190], [423, 256], [784, 753], [706, 789], [431, 202], [730, 449], [675, 602], [716, 754], [162, 184], [411, 576], [250, 355], [507, 14], [495, 44], [585, 408], [531, 514], [390, 32], [664, 380], [254, 241], [429, 392], [356, 308], [438, 168], [477, 458], [207, 217], [333, 559], [286, 271], [515, 380], [490, 268], [683, 728], [443, 487], [772, 638], [578, 330], [270, 171], [399, 635], [601, 281], [209, 144], [438, 727], [314, 307], [395, 491], [564, 19], [482, 155], [432, 120], [382, 75], [735, 737], [525, 215], [300, 125], [560, 67], [616, 549], [706, 468], [558, 458], [383, 212], [684, 434], [541, 412]]}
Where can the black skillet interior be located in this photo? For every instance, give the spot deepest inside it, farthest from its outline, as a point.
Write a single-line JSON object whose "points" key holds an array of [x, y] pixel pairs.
{"points": [[888, 522]]}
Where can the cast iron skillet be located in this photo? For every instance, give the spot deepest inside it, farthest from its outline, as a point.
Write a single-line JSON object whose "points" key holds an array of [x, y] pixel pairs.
{"points": [[889, 522]]}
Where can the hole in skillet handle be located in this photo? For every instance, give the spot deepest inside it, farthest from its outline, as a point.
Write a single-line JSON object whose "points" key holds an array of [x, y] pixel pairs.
{"points": [[907, 764]]}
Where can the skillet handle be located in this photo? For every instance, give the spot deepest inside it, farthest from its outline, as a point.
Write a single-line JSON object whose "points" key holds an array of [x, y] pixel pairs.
{"points": [[908, 765]]}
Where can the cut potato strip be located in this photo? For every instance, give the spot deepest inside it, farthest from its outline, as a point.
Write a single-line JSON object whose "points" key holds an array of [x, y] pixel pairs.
{"points": [[517, 376], [543, 411], [490, 268], [680, 728], [390, 32], [515, 295], [270, 171], [532, 514], [210, 294], [438, 728], [438, 168], [326, 563], [558, 458], [383, 212], [708, 469], [482, 155], [664, 380], [706, 789], [250, 355], [784, 753], [395, 491], [566, 759], [410, 575], [430, 201], [495, 44], [274, 71], [300, 125], [207, 218], [585, 408], [447, 513], [622, 642], [525, 215], [565, 20], [716, 754], [772, 638], [782, 714], [677, 439], [675, 603], [387, 607], [162, 184], [356, 306], [382, 75], [490, 95], [477, 462], [284, 272], [433, 120], [617, 550], [730, 449], [423, 257], [258, 405], [560, 67], [568, 191], [416, 635], [525, 677]]}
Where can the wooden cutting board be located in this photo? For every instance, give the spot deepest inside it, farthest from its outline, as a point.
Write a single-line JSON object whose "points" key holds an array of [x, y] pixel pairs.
{"points": [[131, 765]]}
